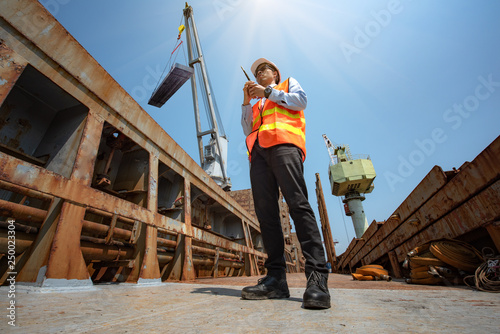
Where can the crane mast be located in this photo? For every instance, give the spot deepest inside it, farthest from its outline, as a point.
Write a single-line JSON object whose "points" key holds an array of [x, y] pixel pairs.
{"points": [[213, 156]]}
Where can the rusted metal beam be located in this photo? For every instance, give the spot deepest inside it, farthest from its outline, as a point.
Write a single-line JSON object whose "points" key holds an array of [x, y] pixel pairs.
{"points": [[372, 229], [23, 241], [21, 212], [11, 67], [188, 273], [150, 268], [297, 260], [100, 252], [222, 263], [478, 211], [347, 254], [105, 242], [48, 182], [438, 206], [36, 256], [396, 268], [110, 215], [111, 228], [167, 243], [24, 191], [214, 240], [66, 259], [19, 227], [325, 225], [477, 175], [54, 41], [153, 181], [251, 267], [102, 230], [86, 152], [216, 263], [426, 189], [213, 252], [30, 35], [494, 232], [164, 259], [90, 250], [36, 215], [430, 184]]}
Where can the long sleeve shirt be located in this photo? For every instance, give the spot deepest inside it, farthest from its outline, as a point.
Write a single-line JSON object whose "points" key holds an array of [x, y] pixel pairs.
{"points": [[295, 99]]}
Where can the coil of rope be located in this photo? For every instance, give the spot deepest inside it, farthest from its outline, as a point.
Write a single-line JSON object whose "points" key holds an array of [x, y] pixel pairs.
{"points": [[443, 261], [487, 275], [457, 253]]}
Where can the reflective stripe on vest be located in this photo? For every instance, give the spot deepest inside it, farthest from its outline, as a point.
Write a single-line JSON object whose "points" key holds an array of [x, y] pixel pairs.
{"points": [[284, 126], [275, 125], [273, 110]]}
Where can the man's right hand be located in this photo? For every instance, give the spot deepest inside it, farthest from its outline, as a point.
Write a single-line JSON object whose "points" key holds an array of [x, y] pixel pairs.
{"points": [[246, 93]]}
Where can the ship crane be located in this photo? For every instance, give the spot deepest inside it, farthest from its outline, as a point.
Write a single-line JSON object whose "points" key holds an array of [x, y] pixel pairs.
{"points": [[213, 156], [350, 178]]}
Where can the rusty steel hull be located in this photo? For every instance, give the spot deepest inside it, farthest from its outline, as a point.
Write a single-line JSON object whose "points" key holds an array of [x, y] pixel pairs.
{"points": [[325, 225], [111, 196], [463, 204]]}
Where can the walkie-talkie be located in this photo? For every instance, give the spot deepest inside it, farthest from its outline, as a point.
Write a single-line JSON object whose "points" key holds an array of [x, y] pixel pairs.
{"points": [[245, 73]]}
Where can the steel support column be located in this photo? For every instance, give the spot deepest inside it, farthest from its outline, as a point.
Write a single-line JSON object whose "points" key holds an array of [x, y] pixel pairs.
{"points": [[66, 259]]}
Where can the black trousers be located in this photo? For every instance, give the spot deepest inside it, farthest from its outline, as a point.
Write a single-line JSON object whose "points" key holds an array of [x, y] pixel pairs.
{"points": [[278, 167]]}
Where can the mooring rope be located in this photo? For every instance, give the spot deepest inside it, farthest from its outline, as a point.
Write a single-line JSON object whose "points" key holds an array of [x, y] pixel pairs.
{"points": [[487, 275]]}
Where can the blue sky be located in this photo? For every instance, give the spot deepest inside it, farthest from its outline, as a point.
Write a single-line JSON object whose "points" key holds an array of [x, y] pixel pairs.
{"points": [[411, 83]]}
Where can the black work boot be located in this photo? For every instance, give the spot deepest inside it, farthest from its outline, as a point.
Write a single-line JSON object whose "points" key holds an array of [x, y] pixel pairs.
{"points": [[269, 287], [317, 295]]}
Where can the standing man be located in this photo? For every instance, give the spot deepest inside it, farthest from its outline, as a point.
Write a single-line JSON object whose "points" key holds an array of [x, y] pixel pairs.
{"points": [[275, 130]]}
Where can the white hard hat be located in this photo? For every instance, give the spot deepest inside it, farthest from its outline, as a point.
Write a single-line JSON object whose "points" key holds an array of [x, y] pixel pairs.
{"points": [[261, 61]]}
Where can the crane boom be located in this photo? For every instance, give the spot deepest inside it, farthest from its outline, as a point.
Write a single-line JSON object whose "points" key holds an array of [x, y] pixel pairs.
{"points": [[330, 148]]}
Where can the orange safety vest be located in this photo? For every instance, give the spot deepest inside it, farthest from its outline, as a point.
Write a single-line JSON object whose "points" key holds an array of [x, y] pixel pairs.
{"points": [[275, 125]]}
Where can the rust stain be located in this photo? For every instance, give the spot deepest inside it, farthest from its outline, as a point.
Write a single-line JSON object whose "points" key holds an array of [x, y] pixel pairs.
{"points": [[461, 204], [93, 239]]}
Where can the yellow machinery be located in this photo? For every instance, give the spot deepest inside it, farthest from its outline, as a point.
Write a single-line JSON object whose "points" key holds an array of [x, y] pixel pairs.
{"points": [[350, 177]]}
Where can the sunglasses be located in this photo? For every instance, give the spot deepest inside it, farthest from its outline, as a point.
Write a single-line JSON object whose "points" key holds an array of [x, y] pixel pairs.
{"points": [[262, 68]]}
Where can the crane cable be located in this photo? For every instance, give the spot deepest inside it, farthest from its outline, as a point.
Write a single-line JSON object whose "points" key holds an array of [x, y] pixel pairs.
{"points": [[176, 46], [345, 226]]}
